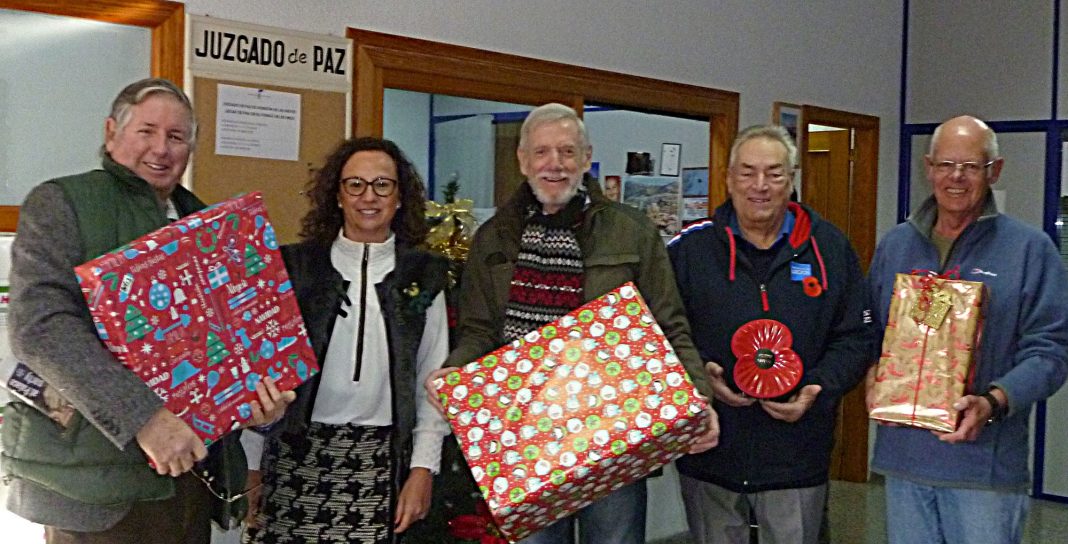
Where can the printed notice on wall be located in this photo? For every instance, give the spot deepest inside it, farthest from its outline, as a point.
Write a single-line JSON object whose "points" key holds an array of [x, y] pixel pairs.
{"points": [[257, 123]]}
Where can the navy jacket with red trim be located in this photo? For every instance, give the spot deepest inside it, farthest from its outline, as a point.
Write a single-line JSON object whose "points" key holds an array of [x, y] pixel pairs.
{"points": [[828, 316]]}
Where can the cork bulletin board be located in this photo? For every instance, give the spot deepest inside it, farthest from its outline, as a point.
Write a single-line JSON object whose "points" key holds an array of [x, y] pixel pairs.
{"points": [[9, 217], [218, 177]]}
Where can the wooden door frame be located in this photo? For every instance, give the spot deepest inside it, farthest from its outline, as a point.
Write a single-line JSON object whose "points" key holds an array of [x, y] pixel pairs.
{"points": [[852, 426], [866, 165], [384, 61], [165, 19]]}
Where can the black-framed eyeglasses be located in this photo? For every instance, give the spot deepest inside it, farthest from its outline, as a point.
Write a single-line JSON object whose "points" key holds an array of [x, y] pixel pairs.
{"points": [[357, 186], [207, 479], [968, 168]]}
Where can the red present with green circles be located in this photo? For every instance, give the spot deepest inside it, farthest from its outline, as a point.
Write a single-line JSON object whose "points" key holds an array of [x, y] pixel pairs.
{"points": [[572, 411], [202, 310]]}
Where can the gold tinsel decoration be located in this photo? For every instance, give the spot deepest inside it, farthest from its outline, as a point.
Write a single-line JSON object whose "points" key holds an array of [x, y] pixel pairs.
{"points": [[453, 225]]}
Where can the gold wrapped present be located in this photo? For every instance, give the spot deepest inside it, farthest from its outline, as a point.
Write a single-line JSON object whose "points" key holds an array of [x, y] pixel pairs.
{"points": [[929, 351]]}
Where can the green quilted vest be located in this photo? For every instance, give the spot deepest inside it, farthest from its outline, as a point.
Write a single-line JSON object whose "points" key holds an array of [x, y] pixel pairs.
{"points": [[113, 207]]}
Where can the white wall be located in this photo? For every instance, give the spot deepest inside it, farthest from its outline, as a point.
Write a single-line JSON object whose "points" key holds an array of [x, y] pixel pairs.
{"points": [[842, 54], [992, 60], [614, 133]]}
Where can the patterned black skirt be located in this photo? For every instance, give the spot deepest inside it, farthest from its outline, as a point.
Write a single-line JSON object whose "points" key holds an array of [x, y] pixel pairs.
{"points": [[333, 485]]}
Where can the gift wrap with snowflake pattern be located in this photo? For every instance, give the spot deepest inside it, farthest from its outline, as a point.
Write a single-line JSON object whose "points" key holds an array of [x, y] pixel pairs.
{"points": [[201, 310], [572, 411]]}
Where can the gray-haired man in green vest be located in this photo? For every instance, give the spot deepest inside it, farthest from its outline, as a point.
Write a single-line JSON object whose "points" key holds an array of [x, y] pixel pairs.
{"points": [[81, 466]]}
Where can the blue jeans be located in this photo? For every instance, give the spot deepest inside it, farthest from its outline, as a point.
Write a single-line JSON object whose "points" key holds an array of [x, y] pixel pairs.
{"points": [[618, 518], [923, 514]]}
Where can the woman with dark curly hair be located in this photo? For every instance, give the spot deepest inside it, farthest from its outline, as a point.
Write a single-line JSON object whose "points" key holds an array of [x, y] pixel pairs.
{"points": [[352, 459]]}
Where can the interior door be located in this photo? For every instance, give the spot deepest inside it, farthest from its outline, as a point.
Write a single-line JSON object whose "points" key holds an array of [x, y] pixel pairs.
{"points": [[827, 182], [506, 177], [839, 171]]}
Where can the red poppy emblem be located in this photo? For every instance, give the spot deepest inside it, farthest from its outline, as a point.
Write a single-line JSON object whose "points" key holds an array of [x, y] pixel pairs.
{"points": [[766, 367], [812, 286]]}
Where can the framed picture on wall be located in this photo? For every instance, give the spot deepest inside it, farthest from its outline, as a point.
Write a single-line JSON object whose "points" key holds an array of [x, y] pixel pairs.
{"points": [[789, 116], [660, 197], [694, 208], [670, 154], [695, 181]]}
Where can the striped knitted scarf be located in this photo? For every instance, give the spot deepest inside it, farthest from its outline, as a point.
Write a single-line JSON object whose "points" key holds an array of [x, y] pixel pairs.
{"points": [[547, 282]]}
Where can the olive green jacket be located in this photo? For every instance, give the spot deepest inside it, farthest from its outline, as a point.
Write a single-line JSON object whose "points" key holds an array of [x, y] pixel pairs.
{"points": [[619, 244]]}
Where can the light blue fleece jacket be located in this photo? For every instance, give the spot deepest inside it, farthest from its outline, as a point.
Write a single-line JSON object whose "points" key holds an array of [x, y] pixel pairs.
{"points": [[1024, 349]]}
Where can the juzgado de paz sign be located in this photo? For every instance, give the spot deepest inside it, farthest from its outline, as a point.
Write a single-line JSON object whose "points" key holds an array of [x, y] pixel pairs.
{"points": [[252, 49], [221, 48]]}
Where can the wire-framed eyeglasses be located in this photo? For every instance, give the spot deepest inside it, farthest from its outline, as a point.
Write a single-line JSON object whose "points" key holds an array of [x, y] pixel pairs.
{"points": [[968, 168], [207, 479], [357, 186]]}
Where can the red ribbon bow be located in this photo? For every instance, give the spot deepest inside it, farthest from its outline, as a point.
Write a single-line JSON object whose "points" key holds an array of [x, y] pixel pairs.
{"points": [[927, 282], [931, 275]]}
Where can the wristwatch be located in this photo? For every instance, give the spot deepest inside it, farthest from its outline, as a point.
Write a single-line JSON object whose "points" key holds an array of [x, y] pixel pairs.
{"points": [[997, 409]]}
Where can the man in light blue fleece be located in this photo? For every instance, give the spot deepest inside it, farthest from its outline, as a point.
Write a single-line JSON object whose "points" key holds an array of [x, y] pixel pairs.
{"points": [[971, 485]]}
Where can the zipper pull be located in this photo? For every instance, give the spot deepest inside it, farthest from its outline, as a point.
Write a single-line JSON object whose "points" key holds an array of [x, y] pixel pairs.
{"points": [[363, 312], [764, 297]]}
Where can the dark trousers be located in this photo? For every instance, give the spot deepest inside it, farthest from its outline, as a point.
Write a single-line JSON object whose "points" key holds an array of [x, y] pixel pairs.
{"points": [[184, 518]]}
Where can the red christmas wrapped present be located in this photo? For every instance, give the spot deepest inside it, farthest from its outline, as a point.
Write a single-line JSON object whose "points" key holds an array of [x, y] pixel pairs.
{"points": [[929, 352], [201, 310], [572, 411]]}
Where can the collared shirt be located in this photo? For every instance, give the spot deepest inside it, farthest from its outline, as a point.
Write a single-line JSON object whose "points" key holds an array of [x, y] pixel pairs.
{"points": [[759, 258], [787, 227]]}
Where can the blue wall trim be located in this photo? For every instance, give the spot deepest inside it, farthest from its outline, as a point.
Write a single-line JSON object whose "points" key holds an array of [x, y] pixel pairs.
{"points": [[1052, 498], [904, 144], [1056, 56]]}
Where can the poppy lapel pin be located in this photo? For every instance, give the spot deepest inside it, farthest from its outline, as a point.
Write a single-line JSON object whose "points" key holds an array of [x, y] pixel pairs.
{"points": [[812, 286]]}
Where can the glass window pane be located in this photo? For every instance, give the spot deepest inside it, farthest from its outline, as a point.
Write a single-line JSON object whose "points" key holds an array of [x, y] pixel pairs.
{"points": [[73, 62]]}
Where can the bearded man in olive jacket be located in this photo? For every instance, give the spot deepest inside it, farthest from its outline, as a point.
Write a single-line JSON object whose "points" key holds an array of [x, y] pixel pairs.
{"points": [[595, 246]]}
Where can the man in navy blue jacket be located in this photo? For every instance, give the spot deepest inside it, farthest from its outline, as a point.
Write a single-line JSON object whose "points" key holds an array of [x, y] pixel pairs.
{"points": [[970, 485], [760, 260]]}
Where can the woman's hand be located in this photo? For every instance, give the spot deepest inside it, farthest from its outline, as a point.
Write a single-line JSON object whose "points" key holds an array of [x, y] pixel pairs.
{"points": [[271, 405], [414, 501]]}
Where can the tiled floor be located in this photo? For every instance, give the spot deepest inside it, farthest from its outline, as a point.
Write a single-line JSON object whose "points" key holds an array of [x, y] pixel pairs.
{"points": [[856, 516]]}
